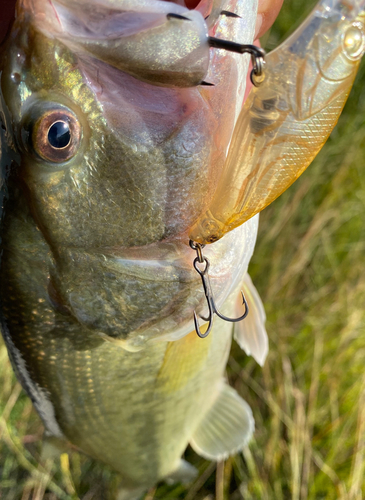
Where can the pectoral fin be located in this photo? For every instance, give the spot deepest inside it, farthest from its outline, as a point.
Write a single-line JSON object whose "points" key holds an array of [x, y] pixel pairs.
{"points": [[53, 447], [226, 428], [185, 473], [127, 494], [250, 334]]}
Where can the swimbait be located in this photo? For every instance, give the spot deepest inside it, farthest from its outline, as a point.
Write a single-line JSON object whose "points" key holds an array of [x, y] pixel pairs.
{"points": [[288, 118], [110, 154]]}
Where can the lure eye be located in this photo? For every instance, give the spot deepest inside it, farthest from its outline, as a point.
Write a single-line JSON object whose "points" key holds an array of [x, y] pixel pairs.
{"points": [[56, 136], [354, 41]]}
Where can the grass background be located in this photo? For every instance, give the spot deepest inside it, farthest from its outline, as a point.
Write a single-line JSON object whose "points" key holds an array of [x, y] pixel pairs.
{"points": [[308, 400]]}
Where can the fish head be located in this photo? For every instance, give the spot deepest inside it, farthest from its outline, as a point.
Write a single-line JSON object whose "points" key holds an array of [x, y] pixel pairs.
{"points": [[116, 163], [341, 40]]}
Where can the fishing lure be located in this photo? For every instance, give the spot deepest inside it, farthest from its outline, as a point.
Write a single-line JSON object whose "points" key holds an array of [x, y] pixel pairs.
{"points": [[288, 118], [285, 121]]}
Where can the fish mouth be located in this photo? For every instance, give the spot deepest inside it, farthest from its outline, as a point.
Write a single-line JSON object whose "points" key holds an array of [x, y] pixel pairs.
{"points": [[160, 261], [169, 261]]}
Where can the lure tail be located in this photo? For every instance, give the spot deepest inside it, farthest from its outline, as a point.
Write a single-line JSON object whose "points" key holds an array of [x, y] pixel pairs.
{"points": [[286, 120]]}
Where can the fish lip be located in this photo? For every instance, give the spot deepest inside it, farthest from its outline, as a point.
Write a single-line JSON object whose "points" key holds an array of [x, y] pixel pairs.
{"points": [[157, 270], [166, 261], [173, 259]]}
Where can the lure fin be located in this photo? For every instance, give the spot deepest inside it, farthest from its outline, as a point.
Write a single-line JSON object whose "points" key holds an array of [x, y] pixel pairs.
{"points": [[226, 428], [251, 334]]}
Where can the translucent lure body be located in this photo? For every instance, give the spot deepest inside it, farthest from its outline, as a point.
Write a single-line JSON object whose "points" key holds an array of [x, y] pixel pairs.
{"points": [[286, 121]]}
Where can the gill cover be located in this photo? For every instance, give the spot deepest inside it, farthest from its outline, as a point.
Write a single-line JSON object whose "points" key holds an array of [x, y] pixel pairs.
{"points": [[286, 121]]}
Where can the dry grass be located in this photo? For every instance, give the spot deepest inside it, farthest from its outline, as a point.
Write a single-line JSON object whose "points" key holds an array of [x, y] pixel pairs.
{"points": [[308, 400]]}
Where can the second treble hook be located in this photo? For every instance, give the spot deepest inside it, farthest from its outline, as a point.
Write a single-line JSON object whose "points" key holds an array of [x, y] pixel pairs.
{"points": [[212, 309]]}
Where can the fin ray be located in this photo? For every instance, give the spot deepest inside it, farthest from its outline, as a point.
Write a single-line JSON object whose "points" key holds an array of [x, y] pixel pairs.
{"points": [[226, 428], [185, 473], [250, 334]]}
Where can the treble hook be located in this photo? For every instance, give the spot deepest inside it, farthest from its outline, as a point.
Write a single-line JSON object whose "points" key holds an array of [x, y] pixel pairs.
{"points": [[200, 259]]}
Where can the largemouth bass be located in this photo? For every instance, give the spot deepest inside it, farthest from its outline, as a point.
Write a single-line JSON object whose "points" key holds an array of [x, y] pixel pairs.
{"points": [[111, 152], [108, 173]]}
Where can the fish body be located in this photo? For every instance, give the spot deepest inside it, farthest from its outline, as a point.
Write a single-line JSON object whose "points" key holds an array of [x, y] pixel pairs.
{"points": [[111, 155], [103, 173]]}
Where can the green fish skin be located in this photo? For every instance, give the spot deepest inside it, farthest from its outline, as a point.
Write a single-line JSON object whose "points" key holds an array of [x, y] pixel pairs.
{"points": [[102, 175]]}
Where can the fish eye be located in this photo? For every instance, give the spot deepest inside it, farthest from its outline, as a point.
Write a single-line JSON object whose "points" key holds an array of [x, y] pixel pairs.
{"points": [[59, 135], [56, 136]]}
